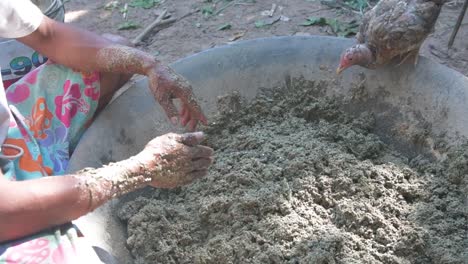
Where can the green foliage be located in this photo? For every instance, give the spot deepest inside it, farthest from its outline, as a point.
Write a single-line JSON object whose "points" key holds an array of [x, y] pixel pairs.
{"points": [[146, 4], [342, 29]]}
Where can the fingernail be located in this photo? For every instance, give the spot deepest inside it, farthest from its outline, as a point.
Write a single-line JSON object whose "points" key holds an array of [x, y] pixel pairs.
{"points": [[198, 134], [174, 120]]}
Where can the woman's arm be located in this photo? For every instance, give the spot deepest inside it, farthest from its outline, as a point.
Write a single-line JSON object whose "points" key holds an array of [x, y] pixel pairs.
{"points": [[27, 207], [82, 50], [169, 161]]}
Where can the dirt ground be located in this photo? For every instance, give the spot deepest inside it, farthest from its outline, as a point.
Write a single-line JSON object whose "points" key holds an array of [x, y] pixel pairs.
{"points": [[201, 30]]}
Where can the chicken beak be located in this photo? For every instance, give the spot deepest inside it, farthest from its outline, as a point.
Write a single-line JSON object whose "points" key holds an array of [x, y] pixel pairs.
{"points": [[339, 70]]}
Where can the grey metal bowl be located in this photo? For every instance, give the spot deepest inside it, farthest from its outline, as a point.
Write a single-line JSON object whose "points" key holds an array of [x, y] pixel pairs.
{"points": [[405, 99]]}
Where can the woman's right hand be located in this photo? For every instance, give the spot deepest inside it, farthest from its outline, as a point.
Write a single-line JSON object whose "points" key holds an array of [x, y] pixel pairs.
{"points": [[167, 85], [175, 160]]}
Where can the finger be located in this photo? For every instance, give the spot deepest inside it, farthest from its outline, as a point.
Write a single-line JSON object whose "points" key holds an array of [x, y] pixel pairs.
{"points": [[201, 152], [185, 117], [185, 120], [201, 164], [197, 112], [170, 109], [192, 124], [203, 119], [194, 109], [192, 139], [183, 111]]}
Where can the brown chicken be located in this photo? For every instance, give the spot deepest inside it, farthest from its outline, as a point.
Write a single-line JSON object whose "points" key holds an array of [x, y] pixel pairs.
{"points": [[392, 31]]}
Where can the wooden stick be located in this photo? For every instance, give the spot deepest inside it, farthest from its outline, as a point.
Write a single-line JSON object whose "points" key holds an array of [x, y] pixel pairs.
{"points": [[148, 29], [272, 11], [233, 3], [166, 22], [457, 26]]}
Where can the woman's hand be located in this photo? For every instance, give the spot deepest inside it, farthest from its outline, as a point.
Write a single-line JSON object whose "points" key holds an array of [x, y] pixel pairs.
{"points": [[175, 160], [167, 85], [86, 51]]}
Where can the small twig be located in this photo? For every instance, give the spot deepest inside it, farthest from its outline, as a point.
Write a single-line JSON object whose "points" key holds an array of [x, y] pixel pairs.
{"points": [[125, 11], [321, 9], [246, 4], [272, 11], [340, 4], [457, 26], [148, 29], [224, 7], [159, 22], [167, 22], [233, 3], [189, 14]]}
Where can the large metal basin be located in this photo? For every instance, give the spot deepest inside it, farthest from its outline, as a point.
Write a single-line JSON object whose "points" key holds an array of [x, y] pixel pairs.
{"points": [[429, 97]]}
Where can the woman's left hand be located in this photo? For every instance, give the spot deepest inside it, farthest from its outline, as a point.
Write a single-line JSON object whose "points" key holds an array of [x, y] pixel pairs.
{"points": [[167, 85]]}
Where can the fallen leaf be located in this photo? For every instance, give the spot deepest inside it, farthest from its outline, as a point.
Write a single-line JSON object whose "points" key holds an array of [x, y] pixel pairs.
{"points": [[284, 18], [358, 5], [267, 22], [237, 36], [265, 13], [111, 5], [225, 26]]}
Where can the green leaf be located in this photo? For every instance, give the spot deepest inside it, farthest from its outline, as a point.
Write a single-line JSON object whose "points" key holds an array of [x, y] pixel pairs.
{"points": [[146, 4], [358, 5], [225, 26], [334, 24], [260, 24], [207, 10], [311, 21], [127, 25], [350, 28]]}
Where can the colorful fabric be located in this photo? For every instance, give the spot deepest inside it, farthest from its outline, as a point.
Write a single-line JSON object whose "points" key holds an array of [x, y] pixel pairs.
{"points": [[18, 18], [52, 247], [51, 108]]}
